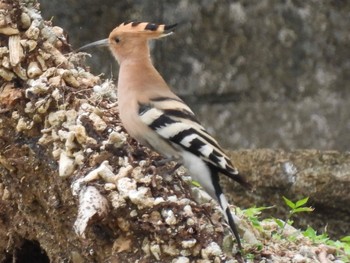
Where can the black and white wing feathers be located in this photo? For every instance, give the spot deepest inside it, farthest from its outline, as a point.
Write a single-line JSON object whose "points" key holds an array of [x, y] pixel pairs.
{"points": [[174, 121]]}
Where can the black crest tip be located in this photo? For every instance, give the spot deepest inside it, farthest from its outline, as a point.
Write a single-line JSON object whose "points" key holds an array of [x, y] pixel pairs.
{"points": [[170, 27], [151, 26], [135, 23]]}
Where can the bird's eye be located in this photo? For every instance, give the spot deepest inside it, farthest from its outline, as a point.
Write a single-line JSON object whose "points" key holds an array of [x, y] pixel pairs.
{"points": [[117, 40]]}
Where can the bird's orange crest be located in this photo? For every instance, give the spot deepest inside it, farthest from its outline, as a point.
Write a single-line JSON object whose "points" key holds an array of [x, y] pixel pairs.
{"points": [[142, 30], [152, 30]]}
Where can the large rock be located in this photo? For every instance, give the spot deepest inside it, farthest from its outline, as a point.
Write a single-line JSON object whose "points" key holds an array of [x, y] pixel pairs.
{"points": [[323, 176]]}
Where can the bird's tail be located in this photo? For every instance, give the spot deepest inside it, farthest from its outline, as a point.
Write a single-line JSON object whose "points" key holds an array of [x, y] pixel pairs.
{"points": [[225, 208], [241, 180], [234, 175], [229, 218]]}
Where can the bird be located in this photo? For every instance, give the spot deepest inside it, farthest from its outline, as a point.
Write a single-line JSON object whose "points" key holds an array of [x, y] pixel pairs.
{"points": [[159, 119]]}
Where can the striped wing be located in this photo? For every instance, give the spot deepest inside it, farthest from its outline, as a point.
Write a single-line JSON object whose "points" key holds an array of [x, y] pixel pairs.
{"points": [[174, 121]]}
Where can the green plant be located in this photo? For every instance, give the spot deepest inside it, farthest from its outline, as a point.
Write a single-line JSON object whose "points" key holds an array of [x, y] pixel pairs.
{"points": [[342, 246], [312, 234], [253, 214], [297, 207], [346, 245]]}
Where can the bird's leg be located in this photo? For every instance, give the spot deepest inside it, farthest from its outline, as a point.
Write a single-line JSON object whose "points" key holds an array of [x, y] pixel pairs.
{"points": [[177, 166], [164, 161], [167, 160]]}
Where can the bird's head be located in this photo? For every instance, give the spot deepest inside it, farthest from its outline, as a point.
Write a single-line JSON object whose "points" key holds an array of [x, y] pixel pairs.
{"points": [[129, 39]]}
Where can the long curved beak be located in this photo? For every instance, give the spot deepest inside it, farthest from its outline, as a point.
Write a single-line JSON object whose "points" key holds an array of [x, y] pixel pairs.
{"points": [[99, 43]]}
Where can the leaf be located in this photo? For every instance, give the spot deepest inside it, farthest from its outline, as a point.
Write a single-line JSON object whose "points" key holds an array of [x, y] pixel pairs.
{"points": [[255, 221], [310, 233], [254, 211], [279, 222], [290, 222], [195, 183], [288, 202], [345, 239], [259, 246], [302, 202]]}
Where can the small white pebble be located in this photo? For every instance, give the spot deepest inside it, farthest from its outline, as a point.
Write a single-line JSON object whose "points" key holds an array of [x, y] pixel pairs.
{"points": [[307, 252], [146, 246], [185, 201], [66, 165], [181, 260], [97, 121], [79, 158], [109, 186], [177, 188], [188, 210], [185, 252], [142, 163], [190, 222], [188, 243], [213, 249], [170, 250], [124, 171], [125, 185], [298, 259], [133, 213], [140, 197], [155, 250], [158, 200], [172, 198], [88, 150], [116, 200], [116, 138], [169, 217], [137, 174], [145, 179], [123, 161], [104, 171], [56, 118]]}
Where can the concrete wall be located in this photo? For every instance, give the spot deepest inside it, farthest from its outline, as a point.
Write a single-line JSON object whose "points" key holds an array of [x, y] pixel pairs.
{"points": [[258, 73]]}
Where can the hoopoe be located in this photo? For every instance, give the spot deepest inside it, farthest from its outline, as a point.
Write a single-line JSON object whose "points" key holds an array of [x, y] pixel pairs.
{"points": [[156, 117]]}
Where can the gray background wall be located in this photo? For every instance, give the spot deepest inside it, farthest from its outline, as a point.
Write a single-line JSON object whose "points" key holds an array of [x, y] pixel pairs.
{"points": [[264, 73]]}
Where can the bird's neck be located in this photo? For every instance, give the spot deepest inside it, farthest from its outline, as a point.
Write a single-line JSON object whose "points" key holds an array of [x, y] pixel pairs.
{"points": [[137, 61], [138, 74]]}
